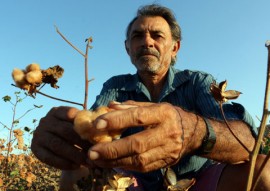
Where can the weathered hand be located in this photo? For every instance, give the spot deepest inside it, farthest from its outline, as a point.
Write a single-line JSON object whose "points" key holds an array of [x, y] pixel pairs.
{"points": [[159, 145], [54, 139]]}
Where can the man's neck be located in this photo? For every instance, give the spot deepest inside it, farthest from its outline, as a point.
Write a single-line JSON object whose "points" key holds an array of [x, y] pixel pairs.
{"points": [[154, 84]]}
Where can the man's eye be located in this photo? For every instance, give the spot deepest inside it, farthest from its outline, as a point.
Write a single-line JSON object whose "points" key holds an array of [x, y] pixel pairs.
{"points": [[136, 36], [156, 36]]}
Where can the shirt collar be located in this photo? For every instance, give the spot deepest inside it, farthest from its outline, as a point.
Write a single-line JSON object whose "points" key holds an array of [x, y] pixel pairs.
{"points": [[175, 78]]}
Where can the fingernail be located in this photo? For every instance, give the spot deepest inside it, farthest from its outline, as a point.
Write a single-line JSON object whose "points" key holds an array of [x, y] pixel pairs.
{"points": [[101, 124], [115, 102], [93, 155], [125, 106]]}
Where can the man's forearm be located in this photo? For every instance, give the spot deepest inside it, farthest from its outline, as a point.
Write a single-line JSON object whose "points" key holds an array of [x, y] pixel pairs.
{"points": [[227, 148]]}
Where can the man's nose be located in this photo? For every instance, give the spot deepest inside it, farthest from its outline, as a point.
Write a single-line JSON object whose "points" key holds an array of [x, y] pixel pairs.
{"points": [[148, 41]]}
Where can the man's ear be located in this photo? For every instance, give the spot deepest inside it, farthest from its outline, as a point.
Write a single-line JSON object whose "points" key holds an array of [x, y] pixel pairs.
{"points": [[126, 46], [176, 47]]}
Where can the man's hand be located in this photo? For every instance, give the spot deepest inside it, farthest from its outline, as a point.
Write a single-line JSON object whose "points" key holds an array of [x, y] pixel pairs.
{"points": [[56, 143], [159, 145]]}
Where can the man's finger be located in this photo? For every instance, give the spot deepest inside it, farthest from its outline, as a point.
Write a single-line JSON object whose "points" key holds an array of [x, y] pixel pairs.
{"points": [[64, 113], [137, 103], [128, 146], [150, 160], [51, 159], [63, 129], [134, 116], [55, 145]]}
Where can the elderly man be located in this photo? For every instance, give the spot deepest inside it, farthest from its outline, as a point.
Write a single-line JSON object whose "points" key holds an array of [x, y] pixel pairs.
{"points": [[173, 119]]}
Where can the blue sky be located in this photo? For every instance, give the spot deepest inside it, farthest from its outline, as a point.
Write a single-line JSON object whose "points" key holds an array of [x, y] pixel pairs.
{"points": [[224, 38]]}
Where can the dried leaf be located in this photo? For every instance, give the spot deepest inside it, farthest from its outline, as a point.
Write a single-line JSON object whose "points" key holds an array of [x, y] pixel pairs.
{"points": [[171, 183], [231, 94], [118, 182], [182, 185], [124, 182], [113, 183], [170, 177]]}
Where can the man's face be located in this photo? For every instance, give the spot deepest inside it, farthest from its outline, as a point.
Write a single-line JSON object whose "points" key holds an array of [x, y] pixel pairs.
{"points": [[150, 45]]}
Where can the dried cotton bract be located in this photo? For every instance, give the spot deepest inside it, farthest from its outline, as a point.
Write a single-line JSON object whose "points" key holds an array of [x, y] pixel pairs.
{"points": [[170, 181], [219, 93], [118, 182]]}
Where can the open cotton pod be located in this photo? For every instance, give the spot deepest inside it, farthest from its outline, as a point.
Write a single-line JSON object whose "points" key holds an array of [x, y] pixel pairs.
{"points": [[84, 126], [32, 67], [18, 75], [33, 74], [19, 78], [34, 77]]}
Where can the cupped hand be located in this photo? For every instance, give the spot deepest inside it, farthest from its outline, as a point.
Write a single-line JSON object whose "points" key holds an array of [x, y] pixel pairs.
{"points": [[56, 143], [159, 145]]}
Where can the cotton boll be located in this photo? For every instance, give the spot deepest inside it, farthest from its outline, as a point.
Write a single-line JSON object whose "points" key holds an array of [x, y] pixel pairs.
{"points": [[83, 125], [82, 122], [32, 67], [34, 77], [18, 75]]}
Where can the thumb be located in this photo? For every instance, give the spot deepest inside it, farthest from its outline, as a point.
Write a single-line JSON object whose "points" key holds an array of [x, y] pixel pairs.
{"points": [[64, 113]]}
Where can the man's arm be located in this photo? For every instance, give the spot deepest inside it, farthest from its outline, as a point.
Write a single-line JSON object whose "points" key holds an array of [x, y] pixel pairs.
{"points": [[227, 147], [170, 133]]}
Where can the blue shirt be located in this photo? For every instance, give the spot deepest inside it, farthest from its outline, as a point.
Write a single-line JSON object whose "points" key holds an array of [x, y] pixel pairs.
{"points": [[187, 89]]}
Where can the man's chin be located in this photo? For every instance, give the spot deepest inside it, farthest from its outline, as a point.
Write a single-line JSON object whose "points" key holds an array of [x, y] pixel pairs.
{"points": [[151, 69]]}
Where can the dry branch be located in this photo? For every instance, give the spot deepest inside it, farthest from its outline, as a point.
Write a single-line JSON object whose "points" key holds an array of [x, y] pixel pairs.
{"points": [[58, 99], [88, 40], [262, 125], [68, 41]]}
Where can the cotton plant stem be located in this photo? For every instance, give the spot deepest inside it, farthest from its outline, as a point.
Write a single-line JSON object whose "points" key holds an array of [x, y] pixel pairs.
{"points": [[241, 143], [58, 99], [25, 113], [262, 125], [11, 135], [5, 126], [55, 98], [89, 40], [260, 171], [69, 42]]}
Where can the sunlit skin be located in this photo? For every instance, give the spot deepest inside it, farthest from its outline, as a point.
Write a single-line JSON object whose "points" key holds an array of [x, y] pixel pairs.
{"points": [[151, 49]]}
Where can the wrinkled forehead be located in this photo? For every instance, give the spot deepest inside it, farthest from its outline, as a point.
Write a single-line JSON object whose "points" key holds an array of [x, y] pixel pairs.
{"points": [[149, 24]]}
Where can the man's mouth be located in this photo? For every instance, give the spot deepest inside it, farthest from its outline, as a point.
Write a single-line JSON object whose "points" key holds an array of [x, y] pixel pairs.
{"points": [[148, 53]]}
